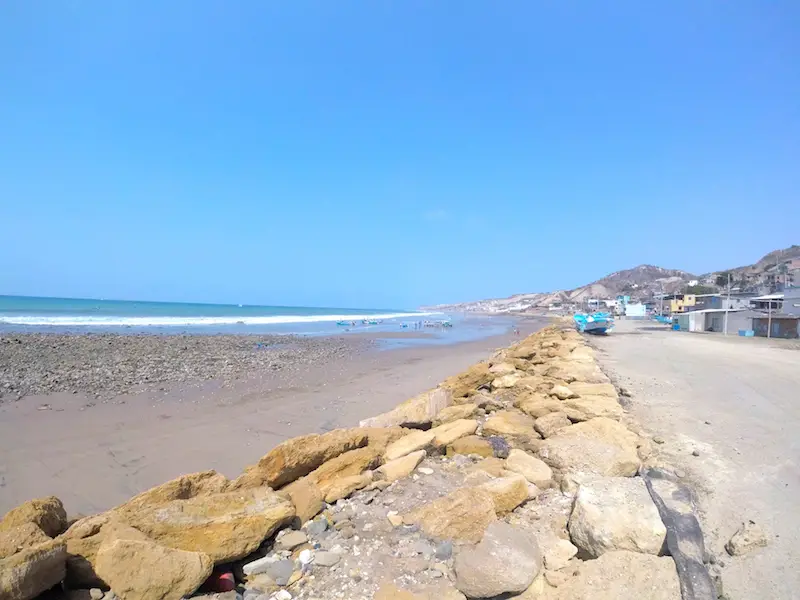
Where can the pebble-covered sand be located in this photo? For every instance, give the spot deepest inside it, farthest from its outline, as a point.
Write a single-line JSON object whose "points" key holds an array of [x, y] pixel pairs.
{"points": [[112, 364]]}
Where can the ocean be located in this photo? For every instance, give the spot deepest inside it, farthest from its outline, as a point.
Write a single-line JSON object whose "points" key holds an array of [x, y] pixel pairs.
{"points": [[33, 314]]}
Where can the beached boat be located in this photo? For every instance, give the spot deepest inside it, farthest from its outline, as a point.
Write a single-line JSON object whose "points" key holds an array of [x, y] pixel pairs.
{"points": [[346, 323], [597, 323]]}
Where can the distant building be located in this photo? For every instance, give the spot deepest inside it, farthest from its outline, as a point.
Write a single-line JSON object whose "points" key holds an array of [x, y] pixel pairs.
{"points": [[791, 301], [777, 325], [635, 310], [680, 303], [767, 302], [736, 301]]}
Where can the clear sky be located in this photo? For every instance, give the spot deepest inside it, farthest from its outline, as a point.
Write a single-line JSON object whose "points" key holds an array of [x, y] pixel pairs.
{"points": [[389, 154]]}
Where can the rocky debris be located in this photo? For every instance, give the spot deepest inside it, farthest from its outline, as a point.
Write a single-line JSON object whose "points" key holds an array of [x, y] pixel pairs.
{"points": [[746, 539], [144, 569], [621, 574], [47, 514], [551, 423], [533, 469], [400, 467], [454, 413], [446, 434], [471, 444], [505, 561], [559, 554], [600, 446], [419, 411], [33, 570], [616, 513], [107, 365], [462, 515]]}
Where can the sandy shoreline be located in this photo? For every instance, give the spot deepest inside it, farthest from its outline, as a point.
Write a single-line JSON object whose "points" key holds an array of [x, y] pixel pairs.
{"points": [[95, 454]]}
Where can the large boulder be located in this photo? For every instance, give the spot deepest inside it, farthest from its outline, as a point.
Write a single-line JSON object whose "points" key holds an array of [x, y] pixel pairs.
{"points": [[462, 515], [506, 561], [47, 514], [550, 424], [502, 368], [455, 412], [143, 569], [226, 526], [307, 498], [594, 389], [415, 440], [506, 381], [14, 539], [450, 432], [622, 574], [467, 383], [616, 513], [415, 412], [28, 573], [299, 456], [471, 444], [507, 492], [400, 467], [539, 405], [533, 469], [510, 423], [348, 464], [342, 488], [599, 446], [180, 488], [596, 406]]}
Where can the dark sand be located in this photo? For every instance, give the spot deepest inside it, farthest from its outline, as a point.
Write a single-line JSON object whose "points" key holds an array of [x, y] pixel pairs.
{"points": [[94, 454]]}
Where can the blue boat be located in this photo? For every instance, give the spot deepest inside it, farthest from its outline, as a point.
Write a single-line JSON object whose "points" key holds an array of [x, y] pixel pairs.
{"points": [[598, 323]]}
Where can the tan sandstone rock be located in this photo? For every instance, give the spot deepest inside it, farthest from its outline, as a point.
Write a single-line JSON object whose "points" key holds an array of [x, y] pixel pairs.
{"points": [[307, 498], [539, 405], [226, 526], [141, 569], [617, 575], [46, 513], [562, 392], [594, 389], [450, 432], [533, 469], [400, 467], [454, 413], [596, 406], [550, 424], [28, 573], [600, 446], [467, 383], [472, 444], [415, 440], [506, 381], [343, 487], [14, 539], [507, 492], [299, 456], [414, 412], [502, 368], [462, 515], [348, 464], [510, 423], [181, 488], [616, 513]]}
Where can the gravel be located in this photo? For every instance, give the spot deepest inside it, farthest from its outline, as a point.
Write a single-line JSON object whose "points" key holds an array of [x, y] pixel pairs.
{"points": [[113, 364]]}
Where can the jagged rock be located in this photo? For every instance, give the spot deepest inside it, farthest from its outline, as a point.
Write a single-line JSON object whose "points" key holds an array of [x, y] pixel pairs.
{"points": [[30, 572], [600, 446], [502, 368], [145, 569], [746, 539], [506, 381], [491, 465], [345, 486], [507, 492], [539, 405], [307, 498], [415, 412], [533, 469], [562, 392], [47, 514], [416, 440], [506, 560], [594, 389], [467, 383], [226, 526], [454, 413], [510, 423], [550, 424], [180, 488], [14, 539], [400, 467], [461, 515], [523, 350], [559, 554], [299, 456], [450, 432], [616, 513], [348, 464], [622, 574], [500, 447], [596, 406], [472, 444]]}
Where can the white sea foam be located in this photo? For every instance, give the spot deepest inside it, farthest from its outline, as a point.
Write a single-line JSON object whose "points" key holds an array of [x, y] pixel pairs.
{"points": [[148, 321]]}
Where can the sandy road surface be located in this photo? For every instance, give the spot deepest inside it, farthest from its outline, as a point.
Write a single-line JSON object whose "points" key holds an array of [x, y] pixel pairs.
{"points": [[737, 402]]}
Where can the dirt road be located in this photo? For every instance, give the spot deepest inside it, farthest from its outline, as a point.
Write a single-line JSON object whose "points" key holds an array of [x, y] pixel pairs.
{"points": [[736, 401]]}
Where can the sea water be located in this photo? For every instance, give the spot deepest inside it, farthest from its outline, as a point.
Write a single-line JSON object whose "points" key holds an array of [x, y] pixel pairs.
{"points": [[26, 313]]}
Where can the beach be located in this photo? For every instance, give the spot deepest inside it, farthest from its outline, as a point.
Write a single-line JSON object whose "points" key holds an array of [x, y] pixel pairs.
{"points": [[102, 417]]}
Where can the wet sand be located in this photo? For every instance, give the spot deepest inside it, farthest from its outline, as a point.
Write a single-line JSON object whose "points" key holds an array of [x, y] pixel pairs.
{"points": [[96, 454]]}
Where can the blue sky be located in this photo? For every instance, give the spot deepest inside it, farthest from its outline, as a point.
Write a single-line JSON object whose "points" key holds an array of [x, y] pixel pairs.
{"points": [[392, 154]]}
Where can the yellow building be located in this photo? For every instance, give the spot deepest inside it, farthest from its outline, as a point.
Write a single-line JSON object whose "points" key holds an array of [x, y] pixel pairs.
{"points": [[682, 303]]}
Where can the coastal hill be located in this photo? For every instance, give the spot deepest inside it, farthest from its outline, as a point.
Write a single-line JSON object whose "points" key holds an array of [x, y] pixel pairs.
{"points": [[647, 281]]}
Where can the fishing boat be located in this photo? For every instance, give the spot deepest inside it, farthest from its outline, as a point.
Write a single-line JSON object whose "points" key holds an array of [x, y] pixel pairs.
{"points": [[345, 323], [597, 323]]}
